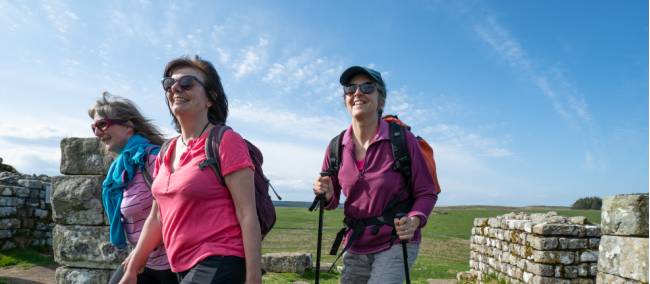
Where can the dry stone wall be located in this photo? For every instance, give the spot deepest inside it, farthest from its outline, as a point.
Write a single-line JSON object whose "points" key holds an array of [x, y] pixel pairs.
{"points": [[25, 218], [624, 243], [80, 236], [535, 248]]}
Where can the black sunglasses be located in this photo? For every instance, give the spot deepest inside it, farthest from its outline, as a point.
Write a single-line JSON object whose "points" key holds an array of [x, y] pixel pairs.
{"points": [[366, 88], [186, 82], [105, 123]]}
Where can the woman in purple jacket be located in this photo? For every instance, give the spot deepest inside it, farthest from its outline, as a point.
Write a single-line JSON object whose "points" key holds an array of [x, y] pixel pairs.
{"points": [[374, 189]]}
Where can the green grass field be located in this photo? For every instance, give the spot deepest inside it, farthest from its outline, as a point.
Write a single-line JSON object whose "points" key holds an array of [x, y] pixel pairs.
{"points": [[443, 253]]}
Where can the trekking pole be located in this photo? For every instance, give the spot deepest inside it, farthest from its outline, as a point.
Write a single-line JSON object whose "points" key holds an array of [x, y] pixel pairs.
{"points": [[405, 254], [320, 200]]}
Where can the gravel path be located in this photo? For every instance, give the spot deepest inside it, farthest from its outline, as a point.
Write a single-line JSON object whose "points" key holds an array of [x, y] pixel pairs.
{"points": [[33, 275]]}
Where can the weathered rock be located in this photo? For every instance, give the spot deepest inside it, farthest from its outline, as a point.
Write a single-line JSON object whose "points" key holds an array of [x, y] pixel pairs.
{"points": [[604, 278], [76, 200], [624, 256], [84, 156], [286, 262], [625, 215], [85, 246], [30, 183], [68, 275], [552, 229]]}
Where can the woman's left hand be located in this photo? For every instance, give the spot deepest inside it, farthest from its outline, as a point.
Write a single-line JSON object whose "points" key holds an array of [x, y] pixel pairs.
{"points": [[406, 227]]}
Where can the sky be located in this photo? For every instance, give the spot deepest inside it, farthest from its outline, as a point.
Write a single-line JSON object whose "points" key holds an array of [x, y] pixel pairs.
{"points": [[524, 102]]}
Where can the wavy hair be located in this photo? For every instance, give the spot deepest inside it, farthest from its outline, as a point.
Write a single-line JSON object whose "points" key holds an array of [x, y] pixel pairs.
{"points": [[218, 111], [116, 107]]}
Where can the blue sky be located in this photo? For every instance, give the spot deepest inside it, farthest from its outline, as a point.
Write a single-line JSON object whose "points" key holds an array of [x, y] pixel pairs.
{"points": [[525, 102]]}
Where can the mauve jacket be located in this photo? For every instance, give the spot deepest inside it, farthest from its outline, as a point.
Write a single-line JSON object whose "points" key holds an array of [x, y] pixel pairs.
{"points": [[369, 191]]}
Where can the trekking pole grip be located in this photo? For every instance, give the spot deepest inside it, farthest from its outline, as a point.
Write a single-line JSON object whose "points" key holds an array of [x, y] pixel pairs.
{"points": [[404, 253]]}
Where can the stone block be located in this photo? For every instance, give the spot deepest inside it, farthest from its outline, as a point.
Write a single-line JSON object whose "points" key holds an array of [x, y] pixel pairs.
{"points": [[38, 213], [286, 262], [8, 201], [589, 256], [548, 280], [84, 156], [549, 229], [580, 220], [10, 223], [625, 215], [604, 278], [66, 275], [30, 183], [76, 200], [582, 281], [480, 222], [624, 256], [5, 234], [592, 230], [540, 269], [569, 271], [21, 192], [7, 212], [554, 257], [85, 246], [571, 243], [542, 243]]}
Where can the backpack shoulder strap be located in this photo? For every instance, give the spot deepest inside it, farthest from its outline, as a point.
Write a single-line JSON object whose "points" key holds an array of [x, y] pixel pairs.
{"points": [[145, 170], [399, 148], [334, 150], [212, 150]]}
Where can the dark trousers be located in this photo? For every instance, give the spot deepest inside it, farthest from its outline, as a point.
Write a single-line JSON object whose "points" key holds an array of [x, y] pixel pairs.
{"points": [[148, 276], [215, 270]]}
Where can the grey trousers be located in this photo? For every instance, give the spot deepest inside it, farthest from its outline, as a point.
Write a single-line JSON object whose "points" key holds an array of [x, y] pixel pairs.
{"points": [[382, 267]]}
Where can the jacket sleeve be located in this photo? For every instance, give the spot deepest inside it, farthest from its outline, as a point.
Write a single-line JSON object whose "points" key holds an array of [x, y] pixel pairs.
{"points": [[424, 194]]}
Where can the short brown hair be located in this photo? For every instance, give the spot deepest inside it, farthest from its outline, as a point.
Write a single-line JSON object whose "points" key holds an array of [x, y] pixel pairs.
{"points": [[218, 112]]}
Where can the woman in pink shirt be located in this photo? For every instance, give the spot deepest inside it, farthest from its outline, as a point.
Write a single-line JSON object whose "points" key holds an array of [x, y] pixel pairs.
{"points": [[209, 226], [381, 207], [126, 192]]}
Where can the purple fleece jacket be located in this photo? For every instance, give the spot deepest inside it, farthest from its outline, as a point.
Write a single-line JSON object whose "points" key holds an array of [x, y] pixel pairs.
{"points": [[368, 191]]}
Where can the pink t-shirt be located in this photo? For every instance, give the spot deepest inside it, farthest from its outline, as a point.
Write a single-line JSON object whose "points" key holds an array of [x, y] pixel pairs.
{"points": [[197, 212]]}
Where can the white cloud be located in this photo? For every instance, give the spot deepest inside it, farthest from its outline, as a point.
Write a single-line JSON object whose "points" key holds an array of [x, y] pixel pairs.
{"points": [[468, 142], [61, 17], [291, 124], [252, 58]]}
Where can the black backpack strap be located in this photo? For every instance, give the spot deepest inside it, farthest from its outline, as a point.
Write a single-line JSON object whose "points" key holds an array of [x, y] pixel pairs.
{"points": [[145, 170], [212, 150], [334, 148], [402, 160]]}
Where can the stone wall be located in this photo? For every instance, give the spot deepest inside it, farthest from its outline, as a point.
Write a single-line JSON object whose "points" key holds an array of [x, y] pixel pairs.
{"points": [[80, 236], [624, 243], [25, 218], [535, 248]]}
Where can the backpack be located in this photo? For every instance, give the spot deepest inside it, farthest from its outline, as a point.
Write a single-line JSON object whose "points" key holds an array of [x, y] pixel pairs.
{"points": [[425, 149], [399, 148], [263, 203], [402, 163]]}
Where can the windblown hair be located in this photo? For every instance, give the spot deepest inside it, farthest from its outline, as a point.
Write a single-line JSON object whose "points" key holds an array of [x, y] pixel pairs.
{"points": [[218, 111], [115, 107]]}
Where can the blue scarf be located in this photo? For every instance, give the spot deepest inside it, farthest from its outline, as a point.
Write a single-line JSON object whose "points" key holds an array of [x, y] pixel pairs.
{"points": [[132, 157]]}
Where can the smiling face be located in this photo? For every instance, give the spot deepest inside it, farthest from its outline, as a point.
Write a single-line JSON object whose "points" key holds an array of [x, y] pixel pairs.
{"points": [[115, 136], [192, 100], [361, 105]]}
